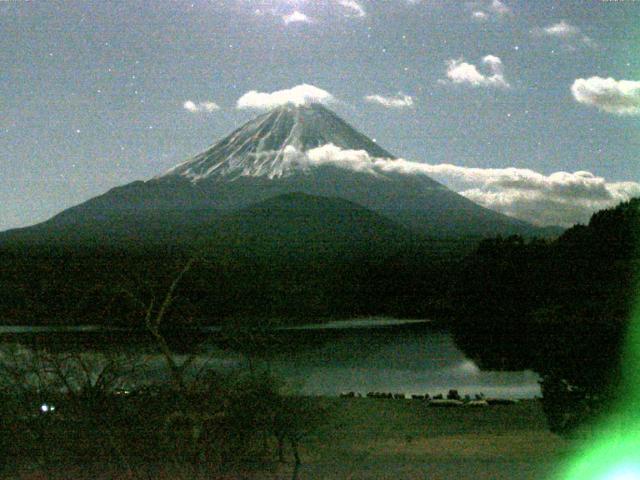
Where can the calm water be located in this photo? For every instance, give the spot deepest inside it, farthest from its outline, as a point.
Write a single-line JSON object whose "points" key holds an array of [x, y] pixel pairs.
{"points": [[359, 355], [396, 360]]}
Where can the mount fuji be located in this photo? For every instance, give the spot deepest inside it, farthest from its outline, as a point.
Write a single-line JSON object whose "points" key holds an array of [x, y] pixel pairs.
{"points": [[290, 150], [293, 215]]}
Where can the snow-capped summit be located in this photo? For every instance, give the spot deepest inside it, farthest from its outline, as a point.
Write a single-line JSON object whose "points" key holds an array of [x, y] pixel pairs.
{"points": [[272, 144]]}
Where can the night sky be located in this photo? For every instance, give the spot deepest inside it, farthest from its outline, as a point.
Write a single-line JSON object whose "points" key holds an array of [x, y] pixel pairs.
{"points": [[512, 93]]}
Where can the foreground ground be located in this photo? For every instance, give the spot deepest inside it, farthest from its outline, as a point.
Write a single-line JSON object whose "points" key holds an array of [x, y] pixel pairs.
{"points": [[404, 439], [392, 439]]}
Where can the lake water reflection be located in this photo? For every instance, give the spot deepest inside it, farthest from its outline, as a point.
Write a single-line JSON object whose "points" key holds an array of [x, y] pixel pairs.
{"points": [[361, 355], [409, 360]]}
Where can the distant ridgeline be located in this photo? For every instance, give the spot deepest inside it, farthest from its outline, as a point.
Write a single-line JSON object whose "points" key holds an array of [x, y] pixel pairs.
{"points": [[295, 256], [560, 308]]}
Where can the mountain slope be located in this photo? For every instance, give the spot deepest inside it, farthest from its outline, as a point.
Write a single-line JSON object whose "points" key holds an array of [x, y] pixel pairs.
{"points": [[293, 255], [298, 223], [304, 149]]}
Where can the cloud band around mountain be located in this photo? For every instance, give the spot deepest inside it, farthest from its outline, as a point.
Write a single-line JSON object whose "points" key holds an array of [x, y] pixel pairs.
{"points": [[561, 198]]}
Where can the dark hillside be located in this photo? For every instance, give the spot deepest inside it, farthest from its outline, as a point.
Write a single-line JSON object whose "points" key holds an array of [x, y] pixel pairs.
{"points": [[294, 257], [560, 307]]}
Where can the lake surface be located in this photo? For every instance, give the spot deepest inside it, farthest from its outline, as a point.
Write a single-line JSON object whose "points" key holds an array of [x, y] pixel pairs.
{"points": [[363, 355], [407, 360]]}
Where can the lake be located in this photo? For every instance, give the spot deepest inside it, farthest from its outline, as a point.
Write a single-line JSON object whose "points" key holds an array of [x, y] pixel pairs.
{"points": [[362, 355]]}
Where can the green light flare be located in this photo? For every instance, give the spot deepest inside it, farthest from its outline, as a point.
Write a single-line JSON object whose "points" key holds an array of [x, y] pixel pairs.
{"points": [[614, 453]]}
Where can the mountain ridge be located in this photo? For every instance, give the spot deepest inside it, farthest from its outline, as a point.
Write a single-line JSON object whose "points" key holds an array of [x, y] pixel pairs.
{"points": [[267, 145], [275, 154]]}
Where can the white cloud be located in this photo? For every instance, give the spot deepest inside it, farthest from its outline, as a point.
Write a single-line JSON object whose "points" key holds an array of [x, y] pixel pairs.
{"points": [[554, 202], [480, 15], [353, 8], [561, 29], [303, 94], [609, 95], [399, 101], [566, 32], [561, 198], [296, 17], [495, 64], [358, 160], [589, 42], [489, 9], [499, 7], [200, 107], [298, 11], [461, 72]]}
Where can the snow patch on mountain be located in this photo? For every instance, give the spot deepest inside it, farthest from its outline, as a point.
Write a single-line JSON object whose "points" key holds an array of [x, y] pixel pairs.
{"points": [[283, 163], [286, 140]]}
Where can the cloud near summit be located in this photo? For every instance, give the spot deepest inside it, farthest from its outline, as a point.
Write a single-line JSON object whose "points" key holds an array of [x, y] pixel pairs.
{"points": [[303, 94], [561, 198], [306, 11]]}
